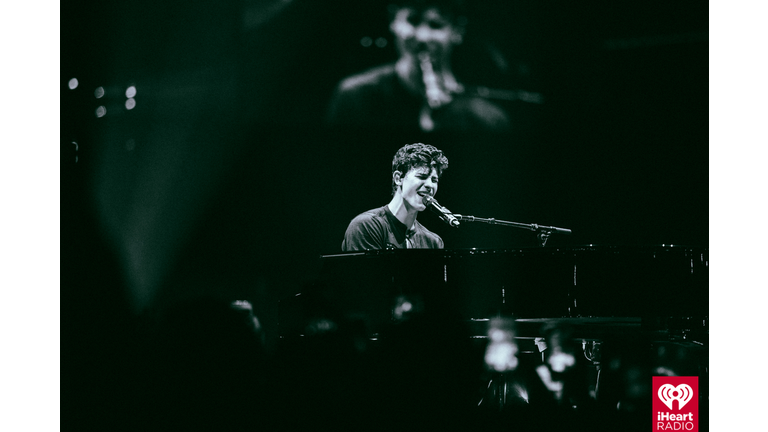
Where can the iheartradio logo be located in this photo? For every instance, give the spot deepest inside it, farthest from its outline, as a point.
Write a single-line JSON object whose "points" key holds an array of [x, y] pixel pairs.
{"points": [[669, 393], [667, 416]]}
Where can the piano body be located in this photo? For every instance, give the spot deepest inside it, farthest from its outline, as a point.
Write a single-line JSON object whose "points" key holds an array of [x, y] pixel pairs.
{"points": [[621, 313], [604, 286]]}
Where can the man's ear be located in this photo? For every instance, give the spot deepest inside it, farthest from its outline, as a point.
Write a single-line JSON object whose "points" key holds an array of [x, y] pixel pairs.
{"points": [[397, 176]]}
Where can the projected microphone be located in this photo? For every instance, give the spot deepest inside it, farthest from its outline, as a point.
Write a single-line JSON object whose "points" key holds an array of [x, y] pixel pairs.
{"points": [[436, 96], [441, 211]]}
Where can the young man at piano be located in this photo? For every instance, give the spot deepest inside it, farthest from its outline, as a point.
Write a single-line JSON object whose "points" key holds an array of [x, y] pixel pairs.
{"points": [[416, 170]]}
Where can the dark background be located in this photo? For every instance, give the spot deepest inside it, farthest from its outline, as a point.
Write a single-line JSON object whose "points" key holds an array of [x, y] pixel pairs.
{"points": [[223, 180]]}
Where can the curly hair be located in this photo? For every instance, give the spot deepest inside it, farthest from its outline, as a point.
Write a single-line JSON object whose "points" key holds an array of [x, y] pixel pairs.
{"points": [[454, 10], [415, 156]]}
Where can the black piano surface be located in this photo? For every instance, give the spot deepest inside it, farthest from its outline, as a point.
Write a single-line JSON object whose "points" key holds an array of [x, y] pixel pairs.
{"points": [[618, 284]]}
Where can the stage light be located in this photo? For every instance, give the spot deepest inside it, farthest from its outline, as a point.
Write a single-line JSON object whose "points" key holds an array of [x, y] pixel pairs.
{"points": [[381, 42], [501, 356], [73, 83], [99, 92], [554, 386], [130, 92], [405, 307], [560, 361], [561, 355], [130, 104], [320, 326], [366, 41], [497, 335], [521, 392], [501, 353], [101, 111]]}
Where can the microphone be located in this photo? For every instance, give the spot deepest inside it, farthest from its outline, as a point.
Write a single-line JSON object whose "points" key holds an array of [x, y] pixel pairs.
{"points": [[436, 96], [443, 212]]}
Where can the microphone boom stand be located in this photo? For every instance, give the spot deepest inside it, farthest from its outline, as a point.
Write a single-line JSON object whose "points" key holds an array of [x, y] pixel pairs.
{"points": [[542, 232]]}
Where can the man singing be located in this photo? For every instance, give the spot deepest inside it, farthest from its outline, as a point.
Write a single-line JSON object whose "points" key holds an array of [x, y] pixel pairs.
{"points": [[419, 91], [416, 169]]}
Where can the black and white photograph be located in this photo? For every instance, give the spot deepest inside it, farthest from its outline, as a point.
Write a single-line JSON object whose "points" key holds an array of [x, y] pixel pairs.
{"points": [[252, 238]]}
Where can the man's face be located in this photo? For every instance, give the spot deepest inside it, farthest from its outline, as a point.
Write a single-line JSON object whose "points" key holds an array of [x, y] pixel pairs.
{"points": [[416, 184], [427, 31]]}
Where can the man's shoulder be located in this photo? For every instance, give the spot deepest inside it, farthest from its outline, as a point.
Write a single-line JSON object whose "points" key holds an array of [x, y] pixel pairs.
{"points": [[372, 77], [471, 112], [368, 230], [377, 214]]}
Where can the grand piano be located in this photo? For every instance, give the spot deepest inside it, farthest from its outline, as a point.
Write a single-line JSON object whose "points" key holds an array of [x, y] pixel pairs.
{"points": [[622, 313], [661, 287]]}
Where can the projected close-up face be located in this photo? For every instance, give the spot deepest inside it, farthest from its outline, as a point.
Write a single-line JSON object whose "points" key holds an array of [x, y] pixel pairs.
{"points": [[424, 31]]}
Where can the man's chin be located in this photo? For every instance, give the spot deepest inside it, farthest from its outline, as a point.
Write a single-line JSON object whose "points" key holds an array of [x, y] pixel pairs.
{"points": [[418, 206]]}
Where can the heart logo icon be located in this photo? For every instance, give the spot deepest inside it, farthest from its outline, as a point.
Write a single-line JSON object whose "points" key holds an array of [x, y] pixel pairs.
{"points": [[682, 393]]}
